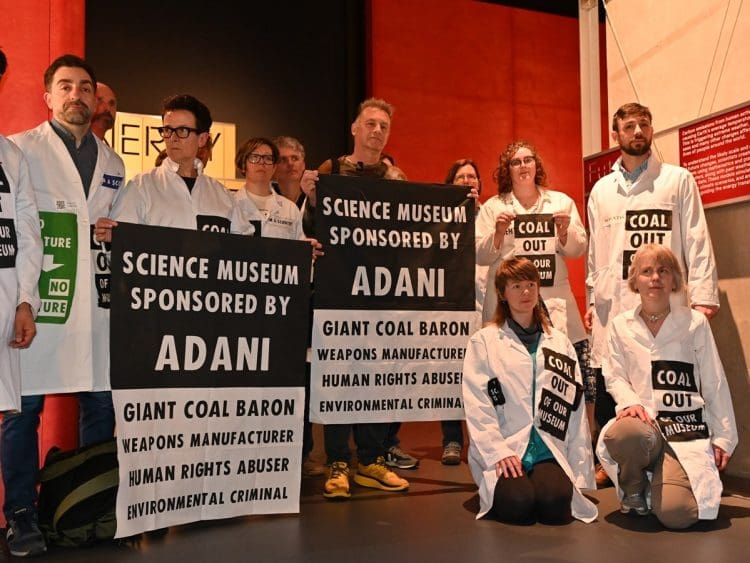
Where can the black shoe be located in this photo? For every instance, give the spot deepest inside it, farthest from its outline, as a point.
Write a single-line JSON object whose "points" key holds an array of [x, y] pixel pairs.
{"points": [[23, 536]]}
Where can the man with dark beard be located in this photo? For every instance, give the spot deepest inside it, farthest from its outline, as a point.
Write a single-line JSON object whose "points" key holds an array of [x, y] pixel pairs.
{"points": [[106, 110], [75, 177], [641, 201]]}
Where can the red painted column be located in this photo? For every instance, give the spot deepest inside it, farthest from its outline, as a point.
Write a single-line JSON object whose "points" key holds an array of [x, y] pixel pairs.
{"points": [[32, 34], [467, 78]]}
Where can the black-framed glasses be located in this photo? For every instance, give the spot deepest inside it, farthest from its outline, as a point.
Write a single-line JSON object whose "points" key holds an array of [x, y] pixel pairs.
{"points": [[181, 132], [255, 158], [527, 160]]}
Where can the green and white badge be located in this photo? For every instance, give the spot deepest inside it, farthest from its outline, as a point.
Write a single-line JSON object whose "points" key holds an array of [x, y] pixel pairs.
{"points": [[58, 278]]}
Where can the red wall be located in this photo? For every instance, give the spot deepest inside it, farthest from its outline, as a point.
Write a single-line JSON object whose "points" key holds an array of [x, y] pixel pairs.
{"points": [[32, 34], [467, 78]]}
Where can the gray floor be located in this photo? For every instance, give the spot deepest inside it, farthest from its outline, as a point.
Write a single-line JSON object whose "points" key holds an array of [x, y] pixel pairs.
{"points": [[433, 522]]}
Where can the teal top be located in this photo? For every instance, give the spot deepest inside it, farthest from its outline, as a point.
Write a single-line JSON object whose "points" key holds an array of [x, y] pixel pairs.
{"points": [[536, 450]]}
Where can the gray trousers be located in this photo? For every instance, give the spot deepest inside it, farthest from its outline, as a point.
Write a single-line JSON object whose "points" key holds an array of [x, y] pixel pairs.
{"points": [[637, 447]]}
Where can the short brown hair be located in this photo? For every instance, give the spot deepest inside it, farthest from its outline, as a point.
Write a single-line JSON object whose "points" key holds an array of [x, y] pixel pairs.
{"points": [[249, 146], [289, 143], [518, 269], [69, 61], [628, 110], [378, 103], [664, 257], [502, 172]]}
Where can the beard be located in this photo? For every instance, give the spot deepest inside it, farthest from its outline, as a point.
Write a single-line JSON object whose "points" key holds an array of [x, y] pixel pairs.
{"points": [[76, 114], [637, 151]]}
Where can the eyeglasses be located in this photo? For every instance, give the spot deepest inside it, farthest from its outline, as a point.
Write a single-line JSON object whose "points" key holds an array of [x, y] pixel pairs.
{"points": [[527, 160], [466, 178], [255, 158], [181, 132]]}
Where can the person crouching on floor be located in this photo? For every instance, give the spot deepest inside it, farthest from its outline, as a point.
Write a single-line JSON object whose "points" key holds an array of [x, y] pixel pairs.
{"points": [[675, 423]]}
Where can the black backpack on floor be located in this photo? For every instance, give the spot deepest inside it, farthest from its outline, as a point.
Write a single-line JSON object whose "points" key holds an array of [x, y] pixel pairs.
{"points": [[78, 494]]}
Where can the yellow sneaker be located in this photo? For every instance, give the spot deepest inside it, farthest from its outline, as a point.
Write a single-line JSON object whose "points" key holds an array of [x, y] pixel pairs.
{"points": [[378, 476], [337, 484]]}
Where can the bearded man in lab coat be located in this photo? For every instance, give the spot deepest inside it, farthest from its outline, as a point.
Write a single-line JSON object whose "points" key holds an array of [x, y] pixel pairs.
{"points": [[75, 178], [643, 200]]}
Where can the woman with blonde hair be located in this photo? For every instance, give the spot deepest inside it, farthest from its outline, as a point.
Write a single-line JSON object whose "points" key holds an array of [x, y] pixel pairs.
{"points": [[674, 429]]}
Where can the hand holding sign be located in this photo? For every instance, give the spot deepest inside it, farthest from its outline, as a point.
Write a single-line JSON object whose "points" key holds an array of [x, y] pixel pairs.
{"points": [[562, 222], [103, 229], [502, 222], [307, 183], [317, 248]]}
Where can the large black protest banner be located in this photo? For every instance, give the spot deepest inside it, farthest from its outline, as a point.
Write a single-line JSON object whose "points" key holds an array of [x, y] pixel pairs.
{"points": [[208, 341], [394, 300]]}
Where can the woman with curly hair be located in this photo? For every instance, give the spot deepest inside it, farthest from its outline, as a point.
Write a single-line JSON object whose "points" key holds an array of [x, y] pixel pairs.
{"points": [[527, 219]]}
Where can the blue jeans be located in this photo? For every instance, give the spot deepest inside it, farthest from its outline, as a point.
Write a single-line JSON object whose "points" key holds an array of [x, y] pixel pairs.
{"points": [[19, 443], [452, 432], [391, 438], [368, 437]]}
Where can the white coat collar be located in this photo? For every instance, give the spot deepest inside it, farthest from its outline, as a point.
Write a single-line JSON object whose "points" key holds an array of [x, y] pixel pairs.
{"points": [[172, 166], [643, 182], [506, 333], [544, 198], [677, 319]]}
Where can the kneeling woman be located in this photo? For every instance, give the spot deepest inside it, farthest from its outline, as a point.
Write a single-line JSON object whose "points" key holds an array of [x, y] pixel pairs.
{"points": [[530, 450], [674, 419]]}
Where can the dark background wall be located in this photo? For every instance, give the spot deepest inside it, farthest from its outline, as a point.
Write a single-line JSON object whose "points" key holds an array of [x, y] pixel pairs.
{"points": [[272, 68], [466, 77]]}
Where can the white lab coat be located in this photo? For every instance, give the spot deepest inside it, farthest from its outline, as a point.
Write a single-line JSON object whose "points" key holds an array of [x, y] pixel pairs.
{"points": [[660, 187], [20, 263], [74, 355], [498, 432], [685, 337], [284, 218], [160, 197], [558, 297]]}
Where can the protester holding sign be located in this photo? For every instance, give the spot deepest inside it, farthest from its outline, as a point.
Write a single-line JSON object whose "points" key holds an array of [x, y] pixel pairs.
{"points": [[370, 130], [259, 210], [530, 452], [177, 193], [75, 178], [526, 219], [262, 211], [642, 201], [674, 412], [463, 172]]}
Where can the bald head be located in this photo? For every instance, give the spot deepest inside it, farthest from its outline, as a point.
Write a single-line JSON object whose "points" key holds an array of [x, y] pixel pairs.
{"points": [[106, 110]]}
